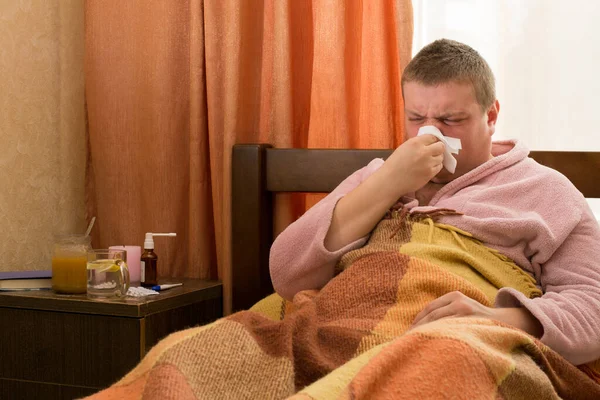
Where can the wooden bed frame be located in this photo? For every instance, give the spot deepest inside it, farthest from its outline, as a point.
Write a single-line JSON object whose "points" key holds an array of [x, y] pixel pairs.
{"points": [[259, 171]]}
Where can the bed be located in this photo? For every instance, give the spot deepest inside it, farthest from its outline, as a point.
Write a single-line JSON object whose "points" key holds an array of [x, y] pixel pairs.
{"points": [[259, 171], [354, 338]]}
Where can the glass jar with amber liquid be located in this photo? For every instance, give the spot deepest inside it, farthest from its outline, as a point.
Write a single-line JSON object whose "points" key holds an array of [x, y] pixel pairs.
{"points": [[69, 263]]}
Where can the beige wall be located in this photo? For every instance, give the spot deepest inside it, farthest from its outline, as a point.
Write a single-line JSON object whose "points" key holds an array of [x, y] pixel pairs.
{"points": [[42, 128]]}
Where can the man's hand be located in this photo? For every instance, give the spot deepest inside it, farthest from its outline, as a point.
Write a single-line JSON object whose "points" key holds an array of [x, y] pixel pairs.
{"points": [[456, 304], [414, 163], [409, 168]]}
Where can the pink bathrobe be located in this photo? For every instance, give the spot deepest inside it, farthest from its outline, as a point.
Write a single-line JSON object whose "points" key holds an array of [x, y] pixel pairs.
{"points": [[530, 213]]}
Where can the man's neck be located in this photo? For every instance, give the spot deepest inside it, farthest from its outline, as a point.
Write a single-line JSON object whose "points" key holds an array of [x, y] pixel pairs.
{"points": [[426, 193]]}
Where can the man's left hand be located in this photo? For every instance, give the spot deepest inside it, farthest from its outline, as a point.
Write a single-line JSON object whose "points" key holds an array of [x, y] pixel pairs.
{"points": [[454, 304]]}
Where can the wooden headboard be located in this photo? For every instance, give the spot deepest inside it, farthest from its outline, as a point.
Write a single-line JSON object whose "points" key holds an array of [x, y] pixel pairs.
{"points": [[259, 171]]}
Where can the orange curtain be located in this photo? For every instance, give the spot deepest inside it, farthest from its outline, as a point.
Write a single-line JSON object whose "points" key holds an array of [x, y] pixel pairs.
{"points": [[172, 85]]}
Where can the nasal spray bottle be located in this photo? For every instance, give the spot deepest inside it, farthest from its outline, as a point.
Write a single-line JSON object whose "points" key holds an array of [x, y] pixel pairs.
{"points": [[149, 260]]}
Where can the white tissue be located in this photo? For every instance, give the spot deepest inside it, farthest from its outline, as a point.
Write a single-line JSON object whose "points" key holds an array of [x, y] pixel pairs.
{"points": [[452, 146], [140, 292]]}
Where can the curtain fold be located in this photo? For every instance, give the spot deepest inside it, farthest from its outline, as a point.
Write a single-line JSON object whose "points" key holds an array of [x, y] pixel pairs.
{"points": [[171, 88]]}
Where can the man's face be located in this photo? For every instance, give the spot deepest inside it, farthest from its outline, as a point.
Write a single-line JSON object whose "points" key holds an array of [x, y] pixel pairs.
{"points": [[453, 109]]}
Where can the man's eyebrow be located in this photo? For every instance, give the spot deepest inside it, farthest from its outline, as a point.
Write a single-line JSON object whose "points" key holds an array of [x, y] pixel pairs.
{"points": [[454, 114], [414, 113], [450, 114]]}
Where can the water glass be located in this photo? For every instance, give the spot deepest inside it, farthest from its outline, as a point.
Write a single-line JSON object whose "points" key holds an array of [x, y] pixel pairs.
{"points": [[107, 273]]}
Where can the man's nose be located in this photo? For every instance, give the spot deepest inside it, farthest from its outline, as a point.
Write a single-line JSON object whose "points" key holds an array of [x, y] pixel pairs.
{"points": [[433, 122]]}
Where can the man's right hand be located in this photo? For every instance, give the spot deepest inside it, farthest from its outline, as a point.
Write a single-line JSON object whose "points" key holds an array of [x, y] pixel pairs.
{"points": [[414, 163], [409, 168]]}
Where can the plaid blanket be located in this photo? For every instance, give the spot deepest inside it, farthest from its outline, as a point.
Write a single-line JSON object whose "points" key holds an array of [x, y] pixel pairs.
{"points": [[352, 339]]}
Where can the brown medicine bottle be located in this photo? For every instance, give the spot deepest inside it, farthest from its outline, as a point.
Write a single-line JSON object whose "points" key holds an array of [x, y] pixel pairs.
{"points": [[149, 260], [148, 268]]}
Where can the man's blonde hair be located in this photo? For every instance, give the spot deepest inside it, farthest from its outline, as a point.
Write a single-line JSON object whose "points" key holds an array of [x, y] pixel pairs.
{"points": [[445, 61]]}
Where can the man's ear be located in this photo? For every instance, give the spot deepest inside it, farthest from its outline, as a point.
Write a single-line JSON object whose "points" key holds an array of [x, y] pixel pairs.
{"points": [[492, 116]]}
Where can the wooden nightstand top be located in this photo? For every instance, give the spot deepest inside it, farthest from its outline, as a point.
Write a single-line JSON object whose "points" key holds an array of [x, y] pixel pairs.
{"points": [[192, 291]]}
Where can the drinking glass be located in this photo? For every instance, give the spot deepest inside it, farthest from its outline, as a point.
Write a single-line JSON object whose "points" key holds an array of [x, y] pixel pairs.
{"points": [[69, 263], [107, 273]]}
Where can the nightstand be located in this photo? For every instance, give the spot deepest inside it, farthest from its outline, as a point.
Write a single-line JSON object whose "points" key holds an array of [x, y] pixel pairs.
{"points": [[65, 346]]}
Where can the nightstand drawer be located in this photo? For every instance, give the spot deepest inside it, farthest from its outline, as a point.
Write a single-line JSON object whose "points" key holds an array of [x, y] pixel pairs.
{"points": [[67, 348]]}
